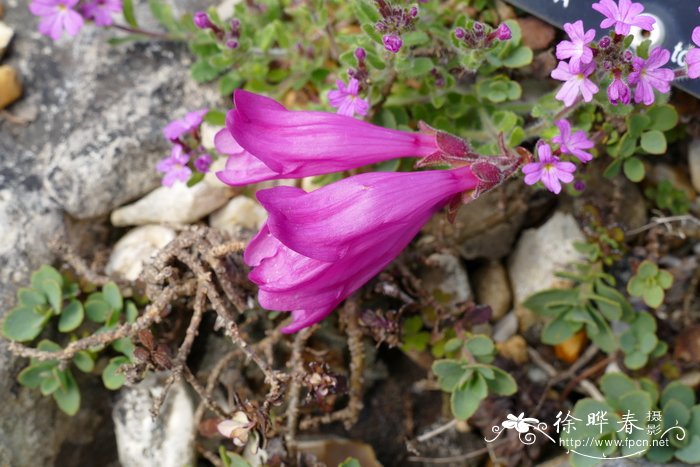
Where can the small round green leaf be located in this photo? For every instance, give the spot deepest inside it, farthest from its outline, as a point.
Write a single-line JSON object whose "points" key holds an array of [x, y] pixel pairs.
{"points": [[50, 383], [97, 310], [111, 378], [653, 296], [480, 345], [68, 395], [634, 169], [654, 142], [113, 296], [23, 324], [53, 292], [34, 374], [31, 297], [664, 279], [84, 361], [71, 316]]}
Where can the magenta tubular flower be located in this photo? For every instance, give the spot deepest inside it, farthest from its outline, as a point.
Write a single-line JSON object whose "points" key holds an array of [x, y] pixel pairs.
{"points": [[648, 75], [346, 99], [575, 82], [619, 92], [624, 16], [296, 144], [190, 122], [577, 49], [57, 16], [392, 43], [317, 248], [242, 168], [101, 11], [575, 143], [692, 59], [175, 167], [549, 170]]}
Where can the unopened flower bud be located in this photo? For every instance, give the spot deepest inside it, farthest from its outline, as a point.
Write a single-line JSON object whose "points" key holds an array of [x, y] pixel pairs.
{"points": [[235, 25], [478, 27], [392, 43], [360, 54], [380, 26], [413, 12], [237, 428], [604, 43], [627, 56], [202, 21], [460, 33], [232, 44], [503, 32]]}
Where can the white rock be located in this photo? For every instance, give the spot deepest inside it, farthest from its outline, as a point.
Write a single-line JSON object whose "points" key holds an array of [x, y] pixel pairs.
{"points": [[539, 254], [694, 164], [241, 211], [445, 273], [178, 204], [135, 248], [225, 9], [208, 133], [492, 288], [167, 441], [6, 34]]}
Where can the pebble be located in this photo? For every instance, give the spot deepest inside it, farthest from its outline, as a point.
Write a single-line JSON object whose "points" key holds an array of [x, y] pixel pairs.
{"points": [[6, 34], [241, 211], [135, 248], [491, 288], [446, 278], [10, 86]]}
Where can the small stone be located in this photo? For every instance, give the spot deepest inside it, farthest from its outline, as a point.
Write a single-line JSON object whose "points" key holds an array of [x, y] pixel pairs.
{"points": [[536, 34], [241, 211], [135, 248], [505, 327], [514, 349], [694, 163], [178, 204], [6, 34], [334, 450], [538, 256], [208, 133], [492, 288], [10, 86], [446, 279], [144, 441]]}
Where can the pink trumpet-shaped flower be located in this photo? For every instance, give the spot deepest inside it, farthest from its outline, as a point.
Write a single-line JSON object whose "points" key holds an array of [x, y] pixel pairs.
{"points": [[692, 59], [648, 75], [296, 144], [319, 247], [623, 16], [577, 49], [242, 168]]}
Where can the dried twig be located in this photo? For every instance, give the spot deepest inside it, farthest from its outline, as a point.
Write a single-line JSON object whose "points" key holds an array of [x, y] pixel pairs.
{"points": [[296, 363]]}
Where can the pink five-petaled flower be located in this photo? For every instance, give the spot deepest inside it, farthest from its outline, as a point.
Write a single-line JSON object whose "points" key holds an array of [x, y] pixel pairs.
{"points": [[190, 122], [265, 141], [648, 75], [692, 59], [319, 247], [101, 11], [57, 16], [624, 16], [575, 82], [175, 166], [619, 92], [346, 99], [577, 49], [549, 170], [575, 143]]}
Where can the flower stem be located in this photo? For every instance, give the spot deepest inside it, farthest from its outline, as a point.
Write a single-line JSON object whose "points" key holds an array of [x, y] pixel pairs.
{"points": [[143, 32]]}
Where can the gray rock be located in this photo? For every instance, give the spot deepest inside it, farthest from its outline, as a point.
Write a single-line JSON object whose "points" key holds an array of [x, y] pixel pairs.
{"points": [[445, 277], [538, 256], [142, 441]]}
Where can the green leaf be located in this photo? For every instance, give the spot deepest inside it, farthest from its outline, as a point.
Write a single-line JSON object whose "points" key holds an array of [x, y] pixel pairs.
{"points": [[419, 66], [50, 383], [110, 376], [34, 374], [71, 316], [502, 383], [636, 360], [636, 286], [679, 392], [664, 279], [647, 270], [450, 374], [23, 324], [415, 38], [111, 294], [365, 11], [654, 142], [465, 400], [128, 12], [633, 169], [97, 309], [202, 71], [653, 296], [84, 361], [125, 346], [350, 462], [162, 12], [690, 454], [132, 313], [30, 297], [215, 117], [615, 385], [480, 345], [543, 302], [43, 274], [68, 395], [520, 57], [662, 117], [558, 330]]}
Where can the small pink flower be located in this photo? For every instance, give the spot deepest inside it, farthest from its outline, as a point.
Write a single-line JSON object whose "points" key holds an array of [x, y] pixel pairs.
{"points": [[101, 11], [503, 33], [648, 75], [549, 170], [317, 248], [692, 59], [575, 143], [190, 122], [577, 48], [619, 92], [624, 16], [575, 82], [57, 16], [175, 166], [346, 99]]}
